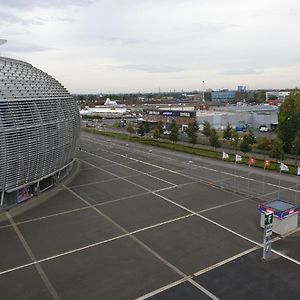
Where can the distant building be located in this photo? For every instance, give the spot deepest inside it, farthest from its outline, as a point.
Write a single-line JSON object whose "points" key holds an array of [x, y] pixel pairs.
{"points": [[223, 96], [181, 115], [241, 88], [250, 116], [277, 95], [110, 108]]}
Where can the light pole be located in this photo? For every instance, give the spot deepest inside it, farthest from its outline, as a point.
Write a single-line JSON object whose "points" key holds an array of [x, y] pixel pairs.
{"points": [[203, 100]]}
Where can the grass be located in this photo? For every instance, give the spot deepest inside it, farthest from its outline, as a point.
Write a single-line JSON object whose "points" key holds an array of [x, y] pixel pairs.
{"points": [[274, 165]]}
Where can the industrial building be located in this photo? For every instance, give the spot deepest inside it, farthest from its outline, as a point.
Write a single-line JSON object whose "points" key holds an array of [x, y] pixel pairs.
{"points": [[182, 115], [39, 128], [251, 116]]}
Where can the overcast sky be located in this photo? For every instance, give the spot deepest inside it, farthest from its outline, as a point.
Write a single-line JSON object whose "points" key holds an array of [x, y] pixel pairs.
{"points": [[143, 45]]}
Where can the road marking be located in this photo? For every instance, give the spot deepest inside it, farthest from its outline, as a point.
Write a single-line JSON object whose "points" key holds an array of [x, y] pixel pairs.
{"points": [[147, 248], [225, 261], [199, 167], [212, 267], [162, 289], [205, 218], [38, 267]]}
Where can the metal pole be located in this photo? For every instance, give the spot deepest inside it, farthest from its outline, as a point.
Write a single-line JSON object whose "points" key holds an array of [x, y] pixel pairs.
{"points": [[279, 183], [2, 198], [296, 193], [264, 179], [203, 100], [235, 185]]}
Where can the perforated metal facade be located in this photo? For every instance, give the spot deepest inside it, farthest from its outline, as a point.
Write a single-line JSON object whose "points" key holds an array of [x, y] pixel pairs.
{"points": [[39, 125]]}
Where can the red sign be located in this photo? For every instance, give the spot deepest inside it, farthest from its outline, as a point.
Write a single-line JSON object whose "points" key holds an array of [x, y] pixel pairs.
{"points": [[252, 160], [267, 163]]}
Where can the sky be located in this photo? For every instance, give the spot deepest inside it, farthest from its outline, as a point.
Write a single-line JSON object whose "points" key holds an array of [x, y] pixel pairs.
{"points": [[123, 46]]}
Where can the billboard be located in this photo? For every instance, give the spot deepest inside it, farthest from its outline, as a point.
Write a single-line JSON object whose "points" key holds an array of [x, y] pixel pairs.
{"points": [[172, 113]]}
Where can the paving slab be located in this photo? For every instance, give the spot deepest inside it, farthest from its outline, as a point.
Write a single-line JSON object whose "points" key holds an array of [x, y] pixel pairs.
{"points": [[107, 191], [12, 252], [25, 284], [55, 235], [142, 167], [242, 217], [141, 211], [149, 182], [290, 245], [173, 177], [250, 278], [118, 270], [198, 196], [89, 176], [182, 291], [193, 244], [120, 170], [58, 202]]}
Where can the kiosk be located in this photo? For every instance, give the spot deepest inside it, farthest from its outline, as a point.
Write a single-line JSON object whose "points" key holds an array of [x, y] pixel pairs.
{"points": [[285, 215]]}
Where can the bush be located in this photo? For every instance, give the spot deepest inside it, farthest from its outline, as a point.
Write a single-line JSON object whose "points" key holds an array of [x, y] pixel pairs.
{"points": [[265, 144]]}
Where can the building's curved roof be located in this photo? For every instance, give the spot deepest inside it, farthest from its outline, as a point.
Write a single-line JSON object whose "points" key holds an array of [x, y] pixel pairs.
{"points": [[20, 80]]}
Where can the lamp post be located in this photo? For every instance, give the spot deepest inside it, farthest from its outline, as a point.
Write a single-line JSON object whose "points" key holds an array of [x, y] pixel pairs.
{"points": [[203, 100]]}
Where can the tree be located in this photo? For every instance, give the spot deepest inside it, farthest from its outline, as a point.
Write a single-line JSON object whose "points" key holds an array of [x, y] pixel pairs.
{"points": [[250, 137], [130, 128], [156, 133], [206, 129], [277, 149], [245, 146], [296, 147], [265, 144], [174, 132], [160, 127], [192, 132], [227, 133], [214, 139], [141, 129], [234, 139], [146, 127], [289, 120]]}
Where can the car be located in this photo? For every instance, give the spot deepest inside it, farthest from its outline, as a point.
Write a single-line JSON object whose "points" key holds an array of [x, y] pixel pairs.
{"points": [[263, 128]]}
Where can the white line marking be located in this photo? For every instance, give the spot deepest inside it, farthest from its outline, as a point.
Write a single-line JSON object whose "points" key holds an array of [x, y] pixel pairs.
{"points": [[164, 288], [199, 167], [225, 261], [207, 219], [153, 252], [212, 267], [38, 267]]}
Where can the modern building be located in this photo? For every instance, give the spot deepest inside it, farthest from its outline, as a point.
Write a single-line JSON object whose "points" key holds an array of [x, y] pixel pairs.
{"points": [[250, 116], [223, 96], [183, 116], [109, 109], [39, 129]]}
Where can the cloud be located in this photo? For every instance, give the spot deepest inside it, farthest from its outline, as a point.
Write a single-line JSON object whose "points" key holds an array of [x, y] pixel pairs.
{"points": [[8, 18], [24, 47], [149, 68], [29, 4], [124, 40], [242, 71]]}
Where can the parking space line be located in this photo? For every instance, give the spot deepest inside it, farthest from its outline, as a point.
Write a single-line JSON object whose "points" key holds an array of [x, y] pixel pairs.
{"points": [[162, 289], [206, 219], [210, 268], [38, 267], [150, 250], [200, 167], [225, 261]]}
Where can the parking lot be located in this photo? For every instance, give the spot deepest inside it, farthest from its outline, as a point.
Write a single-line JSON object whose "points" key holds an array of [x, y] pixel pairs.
{"points": [[138, 222]]}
